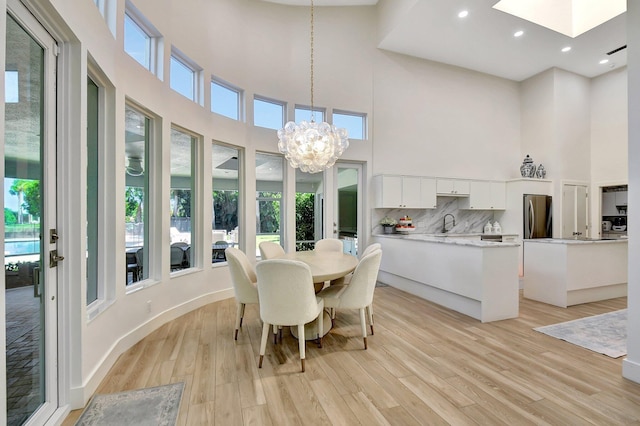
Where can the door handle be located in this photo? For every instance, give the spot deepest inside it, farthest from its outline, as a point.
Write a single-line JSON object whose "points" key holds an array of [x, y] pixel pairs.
{"points": [[36, 282], [54, 258]]}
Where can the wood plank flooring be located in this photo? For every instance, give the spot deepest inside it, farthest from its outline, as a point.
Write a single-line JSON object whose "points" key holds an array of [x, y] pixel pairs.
{"points": [[426, 365]]}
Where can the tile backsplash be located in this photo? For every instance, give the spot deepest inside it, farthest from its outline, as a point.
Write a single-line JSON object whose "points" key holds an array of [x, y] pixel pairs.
{"points": [[430, 221]]}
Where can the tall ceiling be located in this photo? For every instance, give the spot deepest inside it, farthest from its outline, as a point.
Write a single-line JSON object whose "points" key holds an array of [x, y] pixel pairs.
{"points": [[484, 41]]}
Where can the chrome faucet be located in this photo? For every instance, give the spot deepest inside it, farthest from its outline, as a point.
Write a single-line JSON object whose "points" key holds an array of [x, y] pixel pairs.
{"points": [[444, 222]]}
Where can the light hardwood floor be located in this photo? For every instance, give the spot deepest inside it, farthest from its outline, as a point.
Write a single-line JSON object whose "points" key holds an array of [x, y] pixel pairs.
{"points": [[425, 365]]}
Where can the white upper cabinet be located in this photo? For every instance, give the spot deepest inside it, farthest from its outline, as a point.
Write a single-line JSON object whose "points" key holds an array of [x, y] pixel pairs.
{"points": [[485, 195], [453, 187], [404, 192]]}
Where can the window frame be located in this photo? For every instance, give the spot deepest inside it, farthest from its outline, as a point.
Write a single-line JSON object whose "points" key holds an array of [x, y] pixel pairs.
{"points": [[241, 199], [195, 197], [155, 39], [106, 283], [282, 104], [361, 115], [232, 88], [196, 72], [152, 211]]}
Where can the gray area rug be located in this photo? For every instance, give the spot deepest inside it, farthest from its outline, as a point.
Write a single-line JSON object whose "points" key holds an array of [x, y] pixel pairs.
{"points": [[605, 333], [150, 406]]}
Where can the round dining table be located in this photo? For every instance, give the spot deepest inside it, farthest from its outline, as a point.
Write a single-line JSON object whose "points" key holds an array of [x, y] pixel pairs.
{"points": [[325, 266]]}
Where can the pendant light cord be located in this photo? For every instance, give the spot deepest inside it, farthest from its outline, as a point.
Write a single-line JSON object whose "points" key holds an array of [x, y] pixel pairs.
{"points": [[312, 111]]}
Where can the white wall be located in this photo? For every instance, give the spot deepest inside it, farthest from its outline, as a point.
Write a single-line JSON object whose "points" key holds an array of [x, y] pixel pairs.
{"points": [[631, 365], [433, 119]]}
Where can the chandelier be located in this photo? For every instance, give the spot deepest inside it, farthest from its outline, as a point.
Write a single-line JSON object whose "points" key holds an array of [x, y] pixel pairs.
{"points": [[312, 147]]}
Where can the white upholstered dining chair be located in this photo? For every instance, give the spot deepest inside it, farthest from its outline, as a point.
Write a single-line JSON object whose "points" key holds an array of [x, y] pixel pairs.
{"points": [[346, 279], [270, 250], [244, 282], [328, 244], [359, 293], [287, 297]]}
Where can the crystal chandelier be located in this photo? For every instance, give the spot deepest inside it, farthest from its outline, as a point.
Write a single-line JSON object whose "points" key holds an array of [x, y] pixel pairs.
{"points": [[310, 146]]}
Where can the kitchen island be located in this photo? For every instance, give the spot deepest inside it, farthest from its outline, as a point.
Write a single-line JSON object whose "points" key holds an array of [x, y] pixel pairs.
{"points": [[565, 272], [476, 278]]}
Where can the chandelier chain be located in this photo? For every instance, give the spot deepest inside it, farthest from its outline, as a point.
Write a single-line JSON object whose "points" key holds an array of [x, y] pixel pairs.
{"points": [[312, 111]]}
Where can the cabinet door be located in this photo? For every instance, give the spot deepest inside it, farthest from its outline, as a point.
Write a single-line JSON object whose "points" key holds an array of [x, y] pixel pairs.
{"points": [[444, 186], [461, 187], [411, 193], [480, 195], [452, 187], [428, 193], [609, 204], [388, 191], [498, 195]]}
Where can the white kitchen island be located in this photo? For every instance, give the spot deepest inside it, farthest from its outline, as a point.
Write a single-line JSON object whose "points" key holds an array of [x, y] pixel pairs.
{"points": [[476, 278], [565, 272]]}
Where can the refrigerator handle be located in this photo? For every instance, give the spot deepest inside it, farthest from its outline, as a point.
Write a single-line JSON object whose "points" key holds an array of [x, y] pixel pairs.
{"points": [[532, 219]]}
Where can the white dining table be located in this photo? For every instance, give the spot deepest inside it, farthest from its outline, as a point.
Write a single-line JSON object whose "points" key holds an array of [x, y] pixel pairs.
{"points": [[325, 266]]}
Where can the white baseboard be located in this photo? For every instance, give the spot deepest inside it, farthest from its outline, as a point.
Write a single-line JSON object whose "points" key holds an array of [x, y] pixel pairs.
{"points": [[79, 396], [631, 370]]}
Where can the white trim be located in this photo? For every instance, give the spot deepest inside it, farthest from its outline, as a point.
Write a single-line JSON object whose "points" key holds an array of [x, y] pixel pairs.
{"points": [[79, 396]]}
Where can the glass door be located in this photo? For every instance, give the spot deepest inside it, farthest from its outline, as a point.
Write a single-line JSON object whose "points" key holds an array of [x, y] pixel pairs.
{"points": [[30, 202], [348, 205]]}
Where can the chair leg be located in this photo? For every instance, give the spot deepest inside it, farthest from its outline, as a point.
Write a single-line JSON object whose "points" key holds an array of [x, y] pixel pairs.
{"points": [[263, 342], [301, 344], [242, 316], [239, 310], [275, 334], [370, 312], [320, 327], [363, 326]]}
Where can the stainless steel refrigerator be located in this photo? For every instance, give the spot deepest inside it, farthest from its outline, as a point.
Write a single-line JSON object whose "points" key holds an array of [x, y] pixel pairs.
{"points": [[538, 222]]}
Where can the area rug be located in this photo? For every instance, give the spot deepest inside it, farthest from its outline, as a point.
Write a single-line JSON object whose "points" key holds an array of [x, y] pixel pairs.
{"points": [[605, 333], [150, 406]]}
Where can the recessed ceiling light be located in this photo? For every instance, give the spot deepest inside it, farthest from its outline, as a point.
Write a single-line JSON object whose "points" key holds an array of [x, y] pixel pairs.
{"points": [[604, 61], [566, 49], [518, 33], [463, 14]]}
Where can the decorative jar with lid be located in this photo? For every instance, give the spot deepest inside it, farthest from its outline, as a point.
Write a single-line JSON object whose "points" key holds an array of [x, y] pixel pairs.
{"points": [[528, 169]]}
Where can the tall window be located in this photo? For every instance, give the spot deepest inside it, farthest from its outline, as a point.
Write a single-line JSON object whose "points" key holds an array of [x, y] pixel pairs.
{"points": [[93, 211], [137, 136], [268, 113], [184, 75], [269, 211], [226, 100], [309, 201], [182, 199], [354, 122], [141, 40], [226, 163]]}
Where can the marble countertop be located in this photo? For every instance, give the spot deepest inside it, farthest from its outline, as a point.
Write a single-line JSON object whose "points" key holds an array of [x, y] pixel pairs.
{"points": [[457, 239], [577, 241]]}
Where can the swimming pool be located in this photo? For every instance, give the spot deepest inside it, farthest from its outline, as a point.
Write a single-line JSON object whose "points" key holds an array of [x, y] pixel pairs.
{"points": [[18, 247]]}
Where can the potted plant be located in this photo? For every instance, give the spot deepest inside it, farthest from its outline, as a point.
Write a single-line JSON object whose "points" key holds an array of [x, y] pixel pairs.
{"points": [[388, 224]]}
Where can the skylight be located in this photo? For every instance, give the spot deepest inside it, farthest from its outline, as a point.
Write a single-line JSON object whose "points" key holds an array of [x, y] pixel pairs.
{"points": [[568, 17]]}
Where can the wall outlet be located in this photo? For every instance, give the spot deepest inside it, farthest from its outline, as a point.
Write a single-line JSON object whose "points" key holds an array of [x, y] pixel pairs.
{"points": [[148, 306]]}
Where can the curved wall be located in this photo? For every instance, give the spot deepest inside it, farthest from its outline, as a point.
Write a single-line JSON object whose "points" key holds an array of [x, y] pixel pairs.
{"points": [[424, 118]]}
